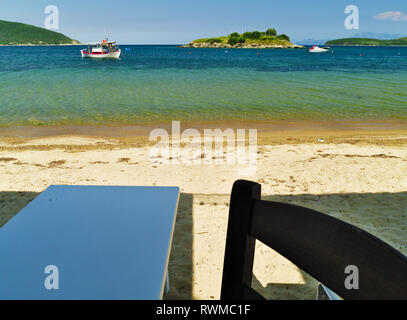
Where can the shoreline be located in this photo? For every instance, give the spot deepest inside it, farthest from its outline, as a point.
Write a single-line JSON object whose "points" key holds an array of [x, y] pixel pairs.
{"points": [[383, 132], [41, 45], [209, 45], [366, 45]]}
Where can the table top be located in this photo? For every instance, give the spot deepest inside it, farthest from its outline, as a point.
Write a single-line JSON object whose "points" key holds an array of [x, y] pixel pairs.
{"points": [[105, 242]]}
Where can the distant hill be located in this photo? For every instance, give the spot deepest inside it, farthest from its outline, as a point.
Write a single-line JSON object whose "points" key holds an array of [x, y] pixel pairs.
{"points": [[380, 36], [15, 33], [369, 35], [310, 41], [255, 39], [367, 42]]}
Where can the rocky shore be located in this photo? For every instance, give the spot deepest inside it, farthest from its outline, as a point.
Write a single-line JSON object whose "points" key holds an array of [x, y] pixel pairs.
{"points": [[251, 45], [73, 43]]}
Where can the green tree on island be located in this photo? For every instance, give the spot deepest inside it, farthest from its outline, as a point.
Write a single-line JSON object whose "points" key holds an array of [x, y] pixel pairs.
{"points": [[247, 35], [283, 37], [271, 32], [256, 35], [235, 38], [252, 35]]}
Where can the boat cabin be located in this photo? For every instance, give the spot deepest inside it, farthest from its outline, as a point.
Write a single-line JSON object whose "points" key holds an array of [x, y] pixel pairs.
{"points": [[102, 47]]}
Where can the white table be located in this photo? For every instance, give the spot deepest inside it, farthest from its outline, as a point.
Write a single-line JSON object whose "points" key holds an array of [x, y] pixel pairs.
{"points": [[106, 243]]}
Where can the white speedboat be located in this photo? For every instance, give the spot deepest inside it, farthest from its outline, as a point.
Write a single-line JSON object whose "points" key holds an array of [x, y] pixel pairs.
{"points": [[104, 49], [317, 49]]}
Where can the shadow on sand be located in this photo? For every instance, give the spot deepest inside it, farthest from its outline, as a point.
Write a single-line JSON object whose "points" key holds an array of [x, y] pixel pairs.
{"points": [[382, 214]]}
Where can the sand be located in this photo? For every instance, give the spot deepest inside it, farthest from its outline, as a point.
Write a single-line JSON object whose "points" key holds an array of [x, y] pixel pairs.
{"points": [[359, 180]]}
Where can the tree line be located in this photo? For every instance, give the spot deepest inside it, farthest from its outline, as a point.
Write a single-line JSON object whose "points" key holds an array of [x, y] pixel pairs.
{"points": [[269, 34]]}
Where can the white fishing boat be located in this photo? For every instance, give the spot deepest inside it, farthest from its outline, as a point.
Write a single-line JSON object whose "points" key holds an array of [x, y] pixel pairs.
{"points": [[104, 49], [316, 49]]}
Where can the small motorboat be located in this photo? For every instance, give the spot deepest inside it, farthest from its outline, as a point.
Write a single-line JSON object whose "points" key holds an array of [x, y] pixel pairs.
{"points": [[104, 49], [317, 49]]}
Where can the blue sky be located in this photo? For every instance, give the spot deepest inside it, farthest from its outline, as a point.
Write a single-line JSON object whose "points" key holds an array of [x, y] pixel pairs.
{"points": [[180, 21]]}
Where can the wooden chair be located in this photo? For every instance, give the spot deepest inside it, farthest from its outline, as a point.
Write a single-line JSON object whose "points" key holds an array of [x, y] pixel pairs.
{"points": [[317, 243]]}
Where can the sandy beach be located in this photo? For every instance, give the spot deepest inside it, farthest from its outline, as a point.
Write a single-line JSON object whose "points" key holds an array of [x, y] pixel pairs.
{"points": [[310, 104], [359, 177]]}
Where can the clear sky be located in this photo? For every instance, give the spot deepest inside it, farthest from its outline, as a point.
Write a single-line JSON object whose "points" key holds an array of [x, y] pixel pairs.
{"points": [[180, 21]]}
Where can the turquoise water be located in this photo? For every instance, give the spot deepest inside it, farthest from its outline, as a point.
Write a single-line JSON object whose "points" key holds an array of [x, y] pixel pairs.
{"points": [[54, 85]]}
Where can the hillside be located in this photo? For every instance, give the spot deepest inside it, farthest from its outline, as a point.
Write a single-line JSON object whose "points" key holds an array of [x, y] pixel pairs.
{"points": [[367, 42], [15, 33], [255, 39]]}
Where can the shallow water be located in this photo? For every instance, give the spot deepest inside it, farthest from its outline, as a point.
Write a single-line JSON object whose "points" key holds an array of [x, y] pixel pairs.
{"points": [[149, 84]]}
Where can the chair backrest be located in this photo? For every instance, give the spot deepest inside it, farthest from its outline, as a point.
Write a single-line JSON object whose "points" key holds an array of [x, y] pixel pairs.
{"points": [[322, 246]]}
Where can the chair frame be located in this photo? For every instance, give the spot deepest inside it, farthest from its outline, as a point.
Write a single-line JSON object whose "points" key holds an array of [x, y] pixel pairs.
{"points": [[319, 244]]}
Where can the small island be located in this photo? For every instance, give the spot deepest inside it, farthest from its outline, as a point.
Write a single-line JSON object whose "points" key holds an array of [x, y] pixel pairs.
{"points": [[367, 42], [20, 34], [249, 40]]}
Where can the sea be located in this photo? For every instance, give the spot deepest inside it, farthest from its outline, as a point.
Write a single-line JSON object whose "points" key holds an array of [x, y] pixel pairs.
{"points": [[54, 85]]}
